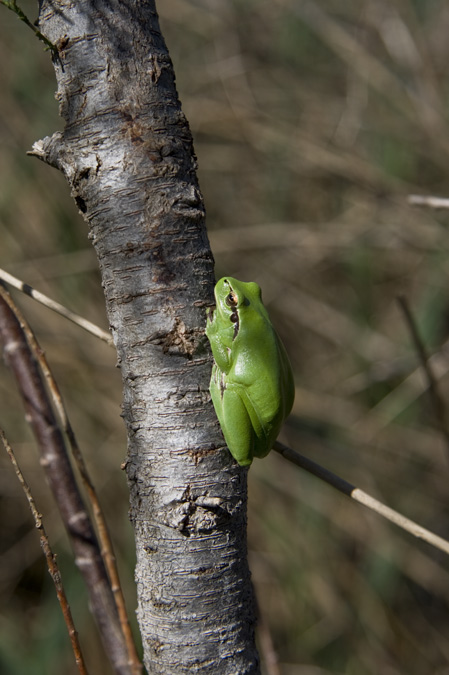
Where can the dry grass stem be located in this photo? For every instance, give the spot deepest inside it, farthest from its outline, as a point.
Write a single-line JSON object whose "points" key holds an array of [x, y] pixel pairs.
{"points": [[437, 401], [50, 558]]}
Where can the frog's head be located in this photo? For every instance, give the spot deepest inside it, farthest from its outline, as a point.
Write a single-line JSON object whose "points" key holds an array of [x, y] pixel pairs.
{"points": [[232, 298]]}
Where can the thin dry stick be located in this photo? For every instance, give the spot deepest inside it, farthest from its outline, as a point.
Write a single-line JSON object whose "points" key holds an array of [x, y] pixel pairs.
{"points": [[429, 200], [107, 550], [56, 307], [50, 558], [434, 392], [362, 497]]}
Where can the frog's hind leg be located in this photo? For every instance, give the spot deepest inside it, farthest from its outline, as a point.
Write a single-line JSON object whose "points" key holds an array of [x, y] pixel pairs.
{"points": [[235, 423]]}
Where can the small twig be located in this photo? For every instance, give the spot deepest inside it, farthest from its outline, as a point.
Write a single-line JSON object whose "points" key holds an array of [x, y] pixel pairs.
{"points": [[436, 398], [14, 7], [362, 497], [107, 550], [428, 200], [61, 479], [50, 558], [56, 306]]}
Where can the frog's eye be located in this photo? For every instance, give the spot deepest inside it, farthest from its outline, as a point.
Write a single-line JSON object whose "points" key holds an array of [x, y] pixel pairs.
{"points": [[231, 299]]}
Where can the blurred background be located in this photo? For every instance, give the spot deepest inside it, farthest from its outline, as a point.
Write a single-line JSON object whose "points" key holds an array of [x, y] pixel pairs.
{"points": [[313, 124]]}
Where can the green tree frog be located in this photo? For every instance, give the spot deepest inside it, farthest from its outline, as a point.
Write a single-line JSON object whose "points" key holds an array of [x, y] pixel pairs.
{"points": [[251, 385]]}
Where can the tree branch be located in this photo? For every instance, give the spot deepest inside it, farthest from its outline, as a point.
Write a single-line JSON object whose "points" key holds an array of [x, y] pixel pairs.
{"points": [[127, 153], [59, 474], [107, 551]]}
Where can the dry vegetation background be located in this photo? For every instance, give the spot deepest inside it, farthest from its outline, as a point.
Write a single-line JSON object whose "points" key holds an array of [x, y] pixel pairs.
{"points": [[313, 122]]}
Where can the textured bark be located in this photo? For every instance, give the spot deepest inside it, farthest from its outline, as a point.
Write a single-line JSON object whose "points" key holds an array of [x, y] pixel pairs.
{"points": [[126, 151]]}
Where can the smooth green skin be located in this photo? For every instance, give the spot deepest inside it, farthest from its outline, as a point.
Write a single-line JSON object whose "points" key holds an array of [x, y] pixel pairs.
{"points": [[252, 384]]}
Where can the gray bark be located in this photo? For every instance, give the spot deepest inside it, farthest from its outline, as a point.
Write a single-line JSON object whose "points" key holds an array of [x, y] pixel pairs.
{"points": [[126, 151]]}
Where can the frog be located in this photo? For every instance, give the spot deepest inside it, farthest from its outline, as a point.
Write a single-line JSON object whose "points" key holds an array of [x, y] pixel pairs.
{"points": [[251, 385]]}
